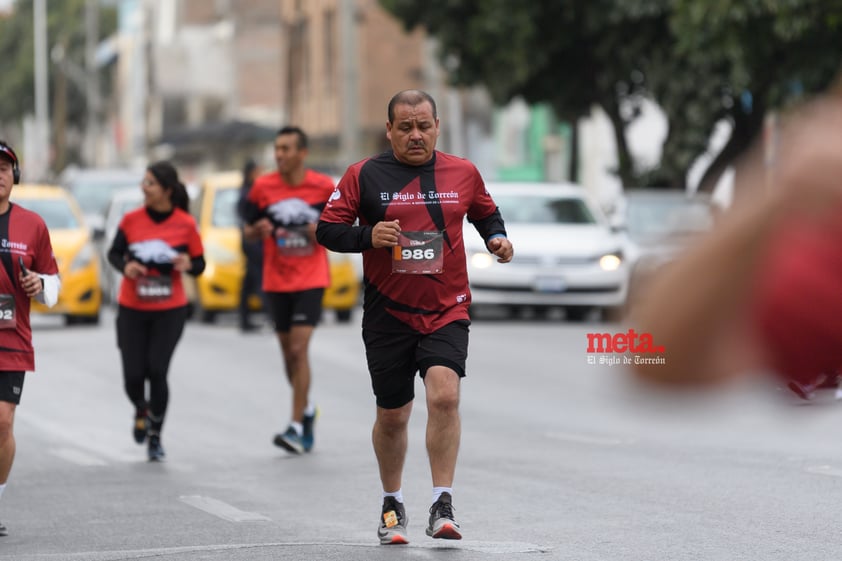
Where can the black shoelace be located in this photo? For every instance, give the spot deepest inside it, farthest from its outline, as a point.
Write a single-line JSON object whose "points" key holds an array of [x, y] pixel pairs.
{"points": [[442, 510]]}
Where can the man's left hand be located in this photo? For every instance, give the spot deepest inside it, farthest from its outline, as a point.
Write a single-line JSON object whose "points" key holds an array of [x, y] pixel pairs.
{"points": [[502, 248], [31, 283]]}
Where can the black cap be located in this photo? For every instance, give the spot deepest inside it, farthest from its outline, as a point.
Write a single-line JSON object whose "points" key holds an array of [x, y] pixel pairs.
{"points": [[7, 152]]}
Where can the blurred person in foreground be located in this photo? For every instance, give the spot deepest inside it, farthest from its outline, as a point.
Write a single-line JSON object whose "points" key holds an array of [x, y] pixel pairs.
{"points": [[29, 271], [411, 202], [762, 292], [153, 246], [253, 252], [282, 209]]}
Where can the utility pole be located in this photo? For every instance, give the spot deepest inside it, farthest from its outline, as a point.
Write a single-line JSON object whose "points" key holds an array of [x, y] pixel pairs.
{"points": [[38, 162], [349, 110], [92, 82]]}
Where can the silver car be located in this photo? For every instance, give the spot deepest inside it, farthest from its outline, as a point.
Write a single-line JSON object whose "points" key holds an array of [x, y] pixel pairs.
{"points": [[566, 253], [662, 223]]}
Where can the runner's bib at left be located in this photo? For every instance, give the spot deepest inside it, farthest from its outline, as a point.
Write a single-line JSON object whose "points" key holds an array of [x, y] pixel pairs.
{"points": [[7, 311]]}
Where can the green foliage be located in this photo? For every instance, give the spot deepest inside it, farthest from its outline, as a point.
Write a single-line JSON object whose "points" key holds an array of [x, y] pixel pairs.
{"points": [[702, 61], [66, 27]]}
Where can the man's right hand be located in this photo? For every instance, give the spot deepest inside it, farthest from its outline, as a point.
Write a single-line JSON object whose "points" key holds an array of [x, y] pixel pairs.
{"points": [[261, 229], [385, 234], [134, 269]]}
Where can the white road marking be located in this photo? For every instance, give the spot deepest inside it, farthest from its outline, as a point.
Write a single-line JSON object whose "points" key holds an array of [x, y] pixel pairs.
{"points": [[100, 447], [494, 548], [825, 470], [78, 457], [221, 509], [589, 439]]}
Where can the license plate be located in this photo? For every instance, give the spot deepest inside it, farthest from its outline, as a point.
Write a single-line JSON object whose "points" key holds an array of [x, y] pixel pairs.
{"points": [[550, 284]]}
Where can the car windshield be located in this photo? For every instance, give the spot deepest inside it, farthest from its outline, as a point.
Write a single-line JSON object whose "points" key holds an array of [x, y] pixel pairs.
{"points": [[56, 213], [665, 217], [93, 195], [124, 206], [544, 209], [225, 208], [119, 207]]}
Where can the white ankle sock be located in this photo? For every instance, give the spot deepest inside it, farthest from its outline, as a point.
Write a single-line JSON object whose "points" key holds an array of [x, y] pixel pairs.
{"points": [[398, 495], [437, 491]]}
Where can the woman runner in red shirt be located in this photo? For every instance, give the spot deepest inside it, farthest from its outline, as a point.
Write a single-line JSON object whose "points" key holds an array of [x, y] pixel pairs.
{"points": [[153, 246]]}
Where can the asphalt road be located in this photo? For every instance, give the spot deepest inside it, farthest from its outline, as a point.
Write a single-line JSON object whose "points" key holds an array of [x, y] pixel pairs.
{"points": [[560, 459]]}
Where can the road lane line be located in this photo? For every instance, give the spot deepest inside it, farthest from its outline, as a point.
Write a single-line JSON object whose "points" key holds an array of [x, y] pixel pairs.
{"points": [[97, 445], [78, 457], [589, 439], [221, 509], [824, 470], [297, 547]]}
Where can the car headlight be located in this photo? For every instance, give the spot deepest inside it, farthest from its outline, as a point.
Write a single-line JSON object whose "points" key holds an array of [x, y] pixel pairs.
{"points": [[610, 261], [83, 258], [481, 260]]}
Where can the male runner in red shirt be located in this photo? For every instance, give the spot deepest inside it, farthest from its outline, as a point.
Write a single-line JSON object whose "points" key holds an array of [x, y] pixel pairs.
{"points": [[411, 202], [29, 270], [283, 208]]}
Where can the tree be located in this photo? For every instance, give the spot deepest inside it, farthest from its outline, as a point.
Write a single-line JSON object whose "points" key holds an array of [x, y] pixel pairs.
{"points": [[757, 56], [700, 61], [66, 30]]}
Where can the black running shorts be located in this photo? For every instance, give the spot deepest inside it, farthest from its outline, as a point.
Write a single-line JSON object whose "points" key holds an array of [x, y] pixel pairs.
{"points": [[295, 308], [11, 386], [395, 356]]}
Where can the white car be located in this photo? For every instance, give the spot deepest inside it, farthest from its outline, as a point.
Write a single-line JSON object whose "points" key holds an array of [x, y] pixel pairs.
{"points": [[566, 253], [121, 202], [662, 224], [94, 188]]}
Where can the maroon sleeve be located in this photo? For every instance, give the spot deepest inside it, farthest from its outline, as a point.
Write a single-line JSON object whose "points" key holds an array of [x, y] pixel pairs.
{"points": [[344, 202]]}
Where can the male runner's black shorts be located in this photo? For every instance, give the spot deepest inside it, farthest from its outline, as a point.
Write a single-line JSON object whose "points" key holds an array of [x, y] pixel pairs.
{"points": [[11, 386], [295, 308], [394, 357]]}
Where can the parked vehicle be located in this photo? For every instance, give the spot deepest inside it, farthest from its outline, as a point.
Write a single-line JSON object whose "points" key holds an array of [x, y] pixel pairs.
{"points": [[121, 202], [662, 223], [94, 188], [566, 253], [80, 297]]}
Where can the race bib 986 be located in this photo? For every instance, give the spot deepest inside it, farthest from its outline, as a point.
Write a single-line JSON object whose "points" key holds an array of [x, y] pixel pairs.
{"points": [[418, 253]]}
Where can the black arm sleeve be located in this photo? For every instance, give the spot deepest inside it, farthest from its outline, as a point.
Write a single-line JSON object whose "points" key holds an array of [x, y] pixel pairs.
{"points": [[117, 254], [197, 266], [343, 238], [490, 225], [250, 212], [241, 204]]}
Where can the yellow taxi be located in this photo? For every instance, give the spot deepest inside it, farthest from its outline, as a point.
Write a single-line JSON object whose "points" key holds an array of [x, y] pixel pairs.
{"points": [[80, 297], [218, 288]]}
